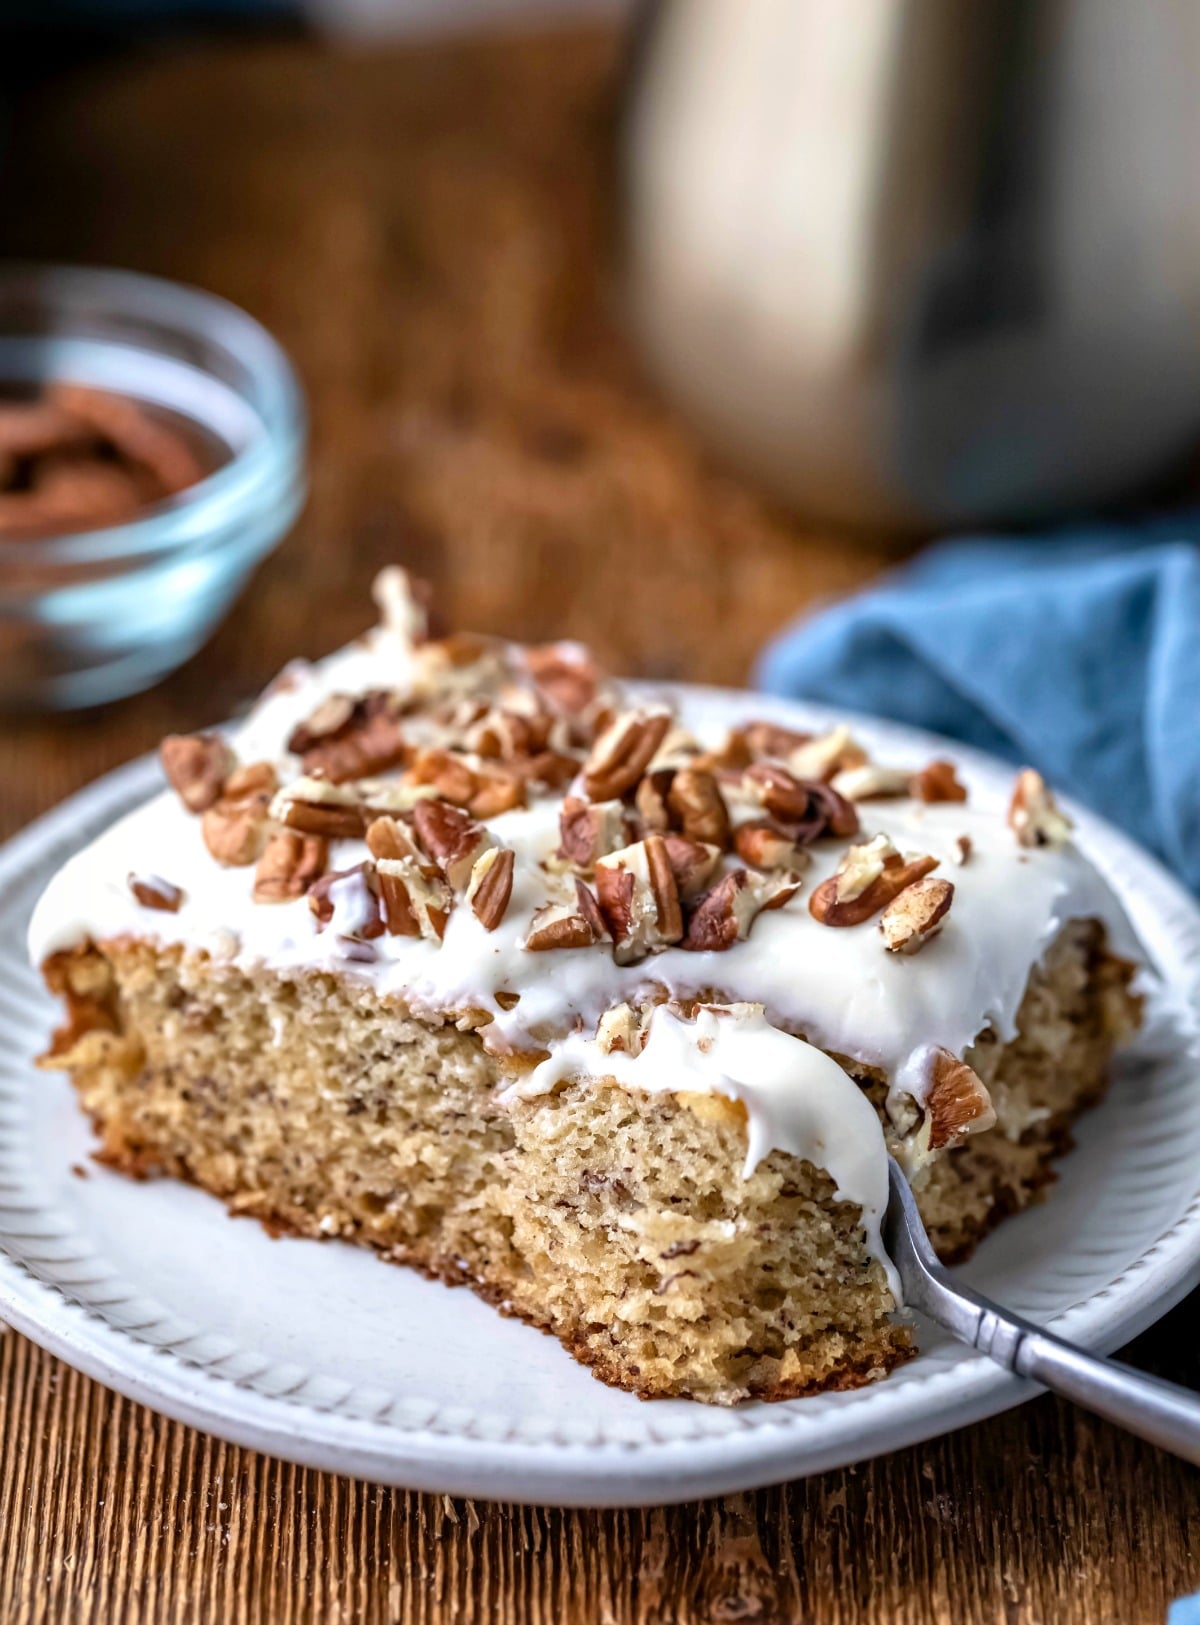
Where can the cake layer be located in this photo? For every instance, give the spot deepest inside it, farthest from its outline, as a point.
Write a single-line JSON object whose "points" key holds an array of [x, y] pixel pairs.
{"points": [[633, 1221]]}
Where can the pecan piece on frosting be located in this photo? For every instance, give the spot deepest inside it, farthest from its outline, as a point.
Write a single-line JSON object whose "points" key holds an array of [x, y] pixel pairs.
{"points": [[725, 914], [763, 845], [639, 899], [867, 879], [416, 899], [1034, 816], [452, 838], [588, 830], [650, 800], [872, 782], [152, 891], [348, 738], [698, 807], [565, 674], [342, 811], [827, 755], [623, 752], [693, 863], [289, 865], [567, 925], [917, 915], [489, 889], [938, 782], [484, 792], [806, 809], [196, 766], [235, 826], [347, 903]]}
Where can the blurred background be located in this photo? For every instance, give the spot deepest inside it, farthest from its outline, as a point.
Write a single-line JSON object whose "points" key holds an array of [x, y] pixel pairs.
{"points": [[653, 324]]}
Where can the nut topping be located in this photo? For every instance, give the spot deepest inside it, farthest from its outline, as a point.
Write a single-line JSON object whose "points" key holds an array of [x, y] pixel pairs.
{"points": [[697, 807], [870, 782], [963, 847], [152, 891], [565, 674], [346, 902], [623, 752], [867, 879], [827, 755], [1033, 814], [589, 830], [763, 845], [416, 899], [343, 811], [289, 865], [693, 863], [725, 914], [938, 782], [196, 766], [639, 899], [805, 808], [651, 801], [452, 839], [489, 889], [619, 1031], [916, 916], [956, 1101], [566, 925], [348, 738], [235, 827]]}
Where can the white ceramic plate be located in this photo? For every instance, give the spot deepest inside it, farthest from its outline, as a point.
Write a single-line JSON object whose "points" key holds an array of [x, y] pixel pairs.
{"points": [[320, 1353]]}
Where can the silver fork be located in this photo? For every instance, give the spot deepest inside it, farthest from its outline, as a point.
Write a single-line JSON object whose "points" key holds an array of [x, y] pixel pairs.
{"points": [[1163, 1412]]}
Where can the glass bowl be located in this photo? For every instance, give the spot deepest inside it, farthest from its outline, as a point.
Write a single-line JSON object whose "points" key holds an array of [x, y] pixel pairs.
{"points": [[89, 616]]}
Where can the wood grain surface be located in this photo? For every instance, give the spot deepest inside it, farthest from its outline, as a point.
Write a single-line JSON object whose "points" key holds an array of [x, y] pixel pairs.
{"points": [[428, 233]]}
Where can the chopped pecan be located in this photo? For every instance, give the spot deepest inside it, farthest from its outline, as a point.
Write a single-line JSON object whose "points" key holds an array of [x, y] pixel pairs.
{"points": [[497, 791], [452, 778], [403, 602], [917, 915], [871, 782], [566, 674], [347, 903], [639, 899], [235, 827], [867, 880], [651, 801], [956, 1101], [548, 769], [963, 847], [1033, 814], [255, 779], [588, 830], [343, 811], [196, 766], [567, 925], [725, 914], [938, 782], [416, 902], [342, 744], [489, 890], [452, 838], [827, 755], [505, 734], [623, 752], [693, 863], [764, 845], [289, 865], [152, 891], [416, 899], [698, 808], [771, 739], [806, 808], [620, 1030]]}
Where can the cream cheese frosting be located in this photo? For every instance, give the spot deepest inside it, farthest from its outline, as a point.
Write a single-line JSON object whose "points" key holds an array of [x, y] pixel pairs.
{"points": [[792, 974]]}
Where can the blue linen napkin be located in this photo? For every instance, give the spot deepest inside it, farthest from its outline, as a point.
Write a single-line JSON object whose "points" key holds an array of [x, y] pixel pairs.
{"points": [[1076, 653]]}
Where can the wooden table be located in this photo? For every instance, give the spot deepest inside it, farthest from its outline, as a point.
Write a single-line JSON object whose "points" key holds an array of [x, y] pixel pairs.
{"points": [[427, 233]]}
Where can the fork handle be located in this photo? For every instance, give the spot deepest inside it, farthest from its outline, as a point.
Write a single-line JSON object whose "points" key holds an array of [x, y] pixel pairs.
{"points": [[1162, 1412]]}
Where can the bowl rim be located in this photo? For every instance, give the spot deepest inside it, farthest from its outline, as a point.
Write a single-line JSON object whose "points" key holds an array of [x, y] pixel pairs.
{"points": [[187, 306]]}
